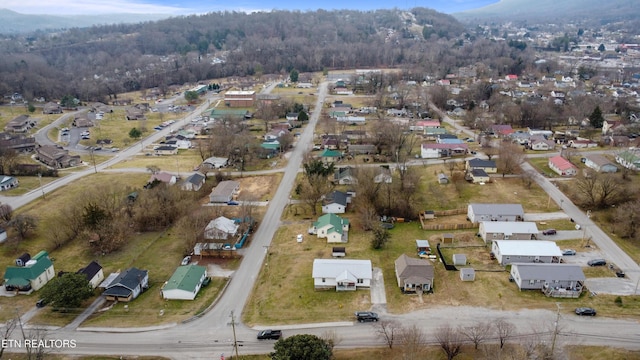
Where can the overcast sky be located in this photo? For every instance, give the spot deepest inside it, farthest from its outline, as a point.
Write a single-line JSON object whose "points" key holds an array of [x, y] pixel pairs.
{"points": [[183, 7]]}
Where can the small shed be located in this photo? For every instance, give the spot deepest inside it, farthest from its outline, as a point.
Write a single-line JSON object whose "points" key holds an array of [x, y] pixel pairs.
{"points": [[459, 259], [423, 245], [428, 215], [443, 179], [22, 260], [338, 251], [447, 238], [467, 274]]}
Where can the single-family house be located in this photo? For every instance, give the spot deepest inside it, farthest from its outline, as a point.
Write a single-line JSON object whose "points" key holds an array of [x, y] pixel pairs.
{"points": [[135, 113], [165, 150], [383, 175], [630, 159], [608, 126], [433, 133], [414, 275], [224, 192], [526, 251], [51, 108], [216, 162], [127, 285], [341, 274], [221, 228], [434, 151], [541, 144], [345, 176], [555, 280], [163, 177], [362, 149], [56, 157], [185, 283], [179, 141], [507, 230], [194, 182], [94, 273], [332, 227], [35, 274], [477, 176], [20, 124], [582, 144], [335, 203], [494, 212], [8, 182], [351, 119], [82, 121], [330, 142], [489, 166], [562, 166], [330, 156], [600, 163], [3, 235]]}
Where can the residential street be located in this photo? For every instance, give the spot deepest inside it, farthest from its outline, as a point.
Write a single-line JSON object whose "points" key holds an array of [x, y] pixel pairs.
{"points": [[212, 334]]}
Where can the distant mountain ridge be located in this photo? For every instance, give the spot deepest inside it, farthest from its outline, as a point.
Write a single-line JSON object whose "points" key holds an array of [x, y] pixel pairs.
{"points": [[553, 11], [12, 22]]}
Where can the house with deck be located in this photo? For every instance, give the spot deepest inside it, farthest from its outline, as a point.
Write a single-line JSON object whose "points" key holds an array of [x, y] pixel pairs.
{"points": [[554, 280], [414, 275]]}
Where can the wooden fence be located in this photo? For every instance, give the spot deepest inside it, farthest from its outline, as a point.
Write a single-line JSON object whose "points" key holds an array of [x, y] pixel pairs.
{"points": [[449, 226]]}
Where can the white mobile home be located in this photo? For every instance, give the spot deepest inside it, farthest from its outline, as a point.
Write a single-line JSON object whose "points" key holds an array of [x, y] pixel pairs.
{"points": [[526, 251]]}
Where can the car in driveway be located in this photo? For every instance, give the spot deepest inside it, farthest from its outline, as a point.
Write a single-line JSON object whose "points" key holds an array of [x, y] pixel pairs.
{"points": [[186, 260], [549, 232], [41, 303], [586, 311], [597, 262], [568, 252], [233, 203], [364, 316]]}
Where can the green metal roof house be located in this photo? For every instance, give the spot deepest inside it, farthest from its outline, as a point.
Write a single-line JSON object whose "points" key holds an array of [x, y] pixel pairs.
{"points": [[332, 227], [185, 283], [329, 156], [33, 275]]}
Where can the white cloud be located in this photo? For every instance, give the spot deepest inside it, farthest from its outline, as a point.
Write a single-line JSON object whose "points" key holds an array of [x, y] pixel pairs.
{"points": [[75, 7]]}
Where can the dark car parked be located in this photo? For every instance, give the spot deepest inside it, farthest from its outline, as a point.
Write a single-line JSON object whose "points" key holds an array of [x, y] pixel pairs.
{"points": [[549, 232], [41, 303], [363, 316], [586, 311], [597, 262]]}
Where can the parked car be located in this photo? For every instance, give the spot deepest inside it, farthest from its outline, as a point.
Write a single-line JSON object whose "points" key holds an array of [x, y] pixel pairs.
{"points": [[586, 311], [597, 262], [269, 334], [41, 303], [549, 232], [233, 203], [363, 316], [186, 260], [568, 252]]}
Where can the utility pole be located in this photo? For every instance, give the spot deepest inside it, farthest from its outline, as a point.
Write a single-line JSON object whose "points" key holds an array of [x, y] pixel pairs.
{"points": [[555, 330], [40, 180], [235, 340]]}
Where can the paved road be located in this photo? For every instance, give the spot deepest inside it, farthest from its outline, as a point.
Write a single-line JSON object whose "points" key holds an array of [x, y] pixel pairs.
{"points": [[212, 335]]}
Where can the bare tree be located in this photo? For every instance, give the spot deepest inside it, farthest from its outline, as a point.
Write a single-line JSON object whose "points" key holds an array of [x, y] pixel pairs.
{"points": [[477, 333], [413, 342], [528, 178], [504, 330], [626, 220], [331, 337], [599, 190], [510, 157], [6, 330], [6, 212], [450, 341], [23, 224], [389, 331]]}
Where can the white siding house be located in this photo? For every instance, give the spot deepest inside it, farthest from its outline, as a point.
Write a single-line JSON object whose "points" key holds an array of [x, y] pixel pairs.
{"points": [[341, 274], [507, 230], [526, 251]]}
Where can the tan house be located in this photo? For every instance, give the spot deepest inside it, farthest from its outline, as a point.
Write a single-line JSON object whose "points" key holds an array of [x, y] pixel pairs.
{"points": [[414, 275], [239, 98], [57, 157]]}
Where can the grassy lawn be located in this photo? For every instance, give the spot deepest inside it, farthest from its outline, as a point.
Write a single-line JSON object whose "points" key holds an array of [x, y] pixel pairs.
{"points": [[184, 162]]}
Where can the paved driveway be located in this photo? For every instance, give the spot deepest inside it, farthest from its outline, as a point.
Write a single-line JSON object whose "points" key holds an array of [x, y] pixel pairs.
{"points": [[378, 295]]}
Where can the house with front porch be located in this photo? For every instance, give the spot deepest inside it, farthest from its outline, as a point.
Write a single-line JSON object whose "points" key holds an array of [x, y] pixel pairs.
{"points": [[32, 275], [332, 227], [562, 166], [341, 274], [414, 275], [127, 285], [554, 280], [435, 151], [630, 159], [599, 163]]}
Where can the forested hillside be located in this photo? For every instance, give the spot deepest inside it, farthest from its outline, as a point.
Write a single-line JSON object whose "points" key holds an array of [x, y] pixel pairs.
{"points": [[98, 62]]}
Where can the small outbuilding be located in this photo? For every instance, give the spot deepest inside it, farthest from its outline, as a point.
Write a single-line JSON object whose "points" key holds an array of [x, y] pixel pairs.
{"points": [[338, 251], [467, 274], [459, 259]]}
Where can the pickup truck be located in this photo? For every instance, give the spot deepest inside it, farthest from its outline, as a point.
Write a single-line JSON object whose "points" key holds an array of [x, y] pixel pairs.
{"points": [[269, 334]]}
